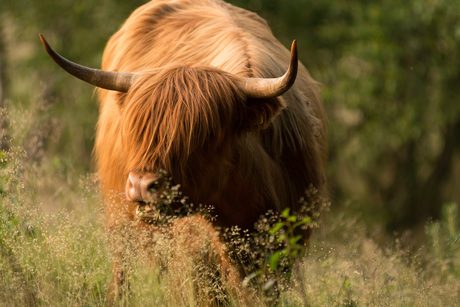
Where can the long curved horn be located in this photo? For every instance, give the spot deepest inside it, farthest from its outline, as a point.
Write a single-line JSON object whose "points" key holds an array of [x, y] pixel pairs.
{"points": [[272, 87], [109, 80]]}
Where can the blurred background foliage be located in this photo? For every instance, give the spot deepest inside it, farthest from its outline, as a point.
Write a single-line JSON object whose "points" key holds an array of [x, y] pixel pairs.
{"points": [[390, 75]]}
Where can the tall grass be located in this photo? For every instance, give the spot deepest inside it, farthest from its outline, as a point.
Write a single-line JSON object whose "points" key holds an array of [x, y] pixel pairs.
{"points": [[47, 258], [54, 251], [351, 269]]}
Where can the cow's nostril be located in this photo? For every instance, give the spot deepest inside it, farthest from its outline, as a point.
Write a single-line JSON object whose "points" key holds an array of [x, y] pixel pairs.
{"points": [[133, 192], [129, 184]]}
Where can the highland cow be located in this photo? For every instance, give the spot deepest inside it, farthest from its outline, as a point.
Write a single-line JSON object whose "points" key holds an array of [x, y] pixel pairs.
{"points": [[202, 92]]}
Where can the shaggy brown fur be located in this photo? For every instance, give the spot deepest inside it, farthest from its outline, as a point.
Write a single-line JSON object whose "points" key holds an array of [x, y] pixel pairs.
{"points": [[187, 115], [176, 113]]}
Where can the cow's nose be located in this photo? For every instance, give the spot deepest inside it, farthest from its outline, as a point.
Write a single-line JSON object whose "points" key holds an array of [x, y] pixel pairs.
{"points": [[140, 187]]}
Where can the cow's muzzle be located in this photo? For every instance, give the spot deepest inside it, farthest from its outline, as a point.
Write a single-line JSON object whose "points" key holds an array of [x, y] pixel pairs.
{"points": [[143, 187]]}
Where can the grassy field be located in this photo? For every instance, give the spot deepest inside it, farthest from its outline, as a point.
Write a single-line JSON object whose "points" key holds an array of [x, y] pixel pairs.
{"points": [[54, 251]]}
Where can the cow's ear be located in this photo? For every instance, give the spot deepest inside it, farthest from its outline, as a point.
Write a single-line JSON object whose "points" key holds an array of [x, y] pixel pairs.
{"points": [[260, 112]]}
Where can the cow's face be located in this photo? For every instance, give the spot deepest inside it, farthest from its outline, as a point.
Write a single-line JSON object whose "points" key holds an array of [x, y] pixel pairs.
{"points": [[184, 120]]}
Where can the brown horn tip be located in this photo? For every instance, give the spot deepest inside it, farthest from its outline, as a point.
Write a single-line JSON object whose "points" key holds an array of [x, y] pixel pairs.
{"points": [[110, 80], [272, 87]]}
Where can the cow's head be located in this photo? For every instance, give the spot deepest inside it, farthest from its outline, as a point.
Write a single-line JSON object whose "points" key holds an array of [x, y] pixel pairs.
{"points": [[179, 118]]}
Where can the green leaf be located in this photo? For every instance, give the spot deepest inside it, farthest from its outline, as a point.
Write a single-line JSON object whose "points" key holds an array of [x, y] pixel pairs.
{"points": [[284, 253], [274, 260], [276, 228], [285, 213], [304, 221], [293, 241], [292, 219]]}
